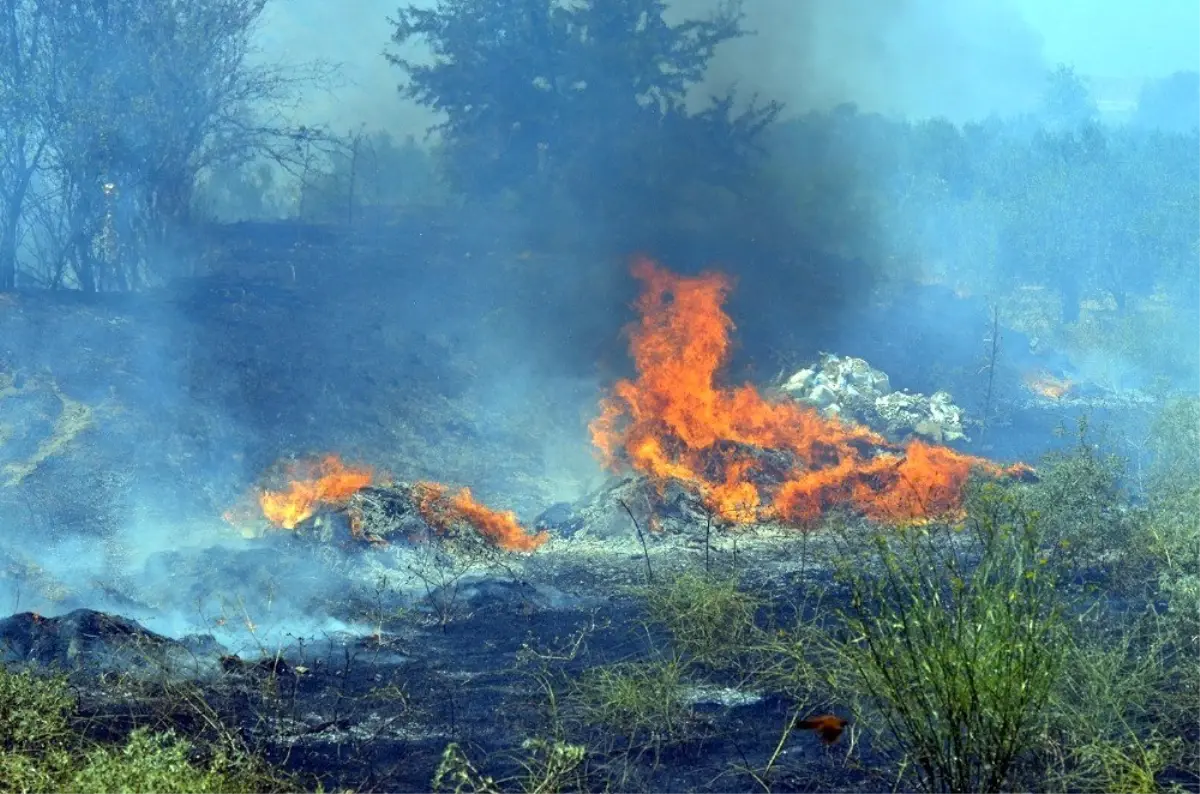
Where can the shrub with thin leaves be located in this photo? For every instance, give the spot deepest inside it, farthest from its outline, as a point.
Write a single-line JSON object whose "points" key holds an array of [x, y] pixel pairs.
{"points": [[639, 701], [162, 763], [953, 636], [40, 751], [549, 766], [710, 618], [34, 711], [1083, 507]]}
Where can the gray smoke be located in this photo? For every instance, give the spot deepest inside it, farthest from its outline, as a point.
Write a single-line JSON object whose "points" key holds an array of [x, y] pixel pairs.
{"points": [[916, 58]]}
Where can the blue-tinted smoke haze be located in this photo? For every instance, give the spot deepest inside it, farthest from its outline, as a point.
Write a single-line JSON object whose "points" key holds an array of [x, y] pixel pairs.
{"points": [[962, 59], [535, 338], [1117, 38]]}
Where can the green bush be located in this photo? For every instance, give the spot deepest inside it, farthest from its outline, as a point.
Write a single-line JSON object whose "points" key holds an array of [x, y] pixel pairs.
{"points": [[1173, 491], [642, 702], [1084, 511], [549, 766], [163, 763], [34, 711], [1176, 444], [40, 752], [953, 636], [1104, 730], [711, 620]]}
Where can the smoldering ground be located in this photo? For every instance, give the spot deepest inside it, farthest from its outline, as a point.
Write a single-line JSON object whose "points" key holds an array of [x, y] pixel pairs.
{"points": [[433, 355], [125, 451]]}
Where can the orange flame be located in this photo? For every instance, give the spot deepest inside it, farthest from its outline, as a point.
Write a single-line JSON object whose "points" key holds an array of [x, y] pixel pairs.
{"points": [[330, 483], [327, 482], [749, 458], [441, 511]]}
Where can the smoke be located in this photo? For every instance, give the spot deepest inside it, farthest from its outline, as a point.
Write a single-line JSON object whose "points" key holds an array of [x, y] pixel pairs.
{"points": [[438, 359], [353, 37], [916, 58]]}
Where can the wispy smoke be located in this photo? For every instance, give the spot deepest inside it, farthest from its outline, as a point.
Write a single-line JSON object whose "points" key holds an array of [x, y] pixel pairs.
{"points": [[354, 37], [917, 58], [959, 59]]}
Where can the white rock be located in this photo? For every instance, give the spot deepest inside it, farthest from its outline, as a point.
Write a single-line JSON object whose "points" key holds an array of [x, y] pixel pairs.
{"points": [[799, 382], [822, 396]]}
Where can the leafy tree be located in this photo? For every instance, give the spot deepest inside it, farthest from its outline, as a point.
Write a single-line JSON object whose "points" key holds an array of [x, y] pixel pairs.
{"points": [[1067, 102], [22, 140], [586, 100]]}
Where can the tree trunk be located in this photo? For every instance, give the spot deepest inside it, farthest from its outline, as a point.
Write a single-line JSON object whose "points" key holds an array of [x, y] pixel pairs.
{"points": [[8, 261], [11, 221]]}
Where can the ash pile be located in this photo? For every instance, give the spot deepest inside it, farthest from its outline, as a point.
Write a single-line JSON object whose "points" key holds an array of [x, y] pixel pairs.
{"points": [[851, 389]]}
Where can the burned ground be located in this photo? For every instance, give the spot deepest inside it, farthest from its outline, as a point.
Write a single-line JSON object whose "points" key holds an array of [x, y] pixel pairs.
{"points": [[130, 425], [374, 711]]}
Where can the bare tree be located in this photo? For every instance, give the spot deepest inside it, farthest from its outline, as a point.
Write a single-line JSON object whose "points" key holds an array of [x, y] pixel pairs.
{"points": [[136, 101], [22, 138]]}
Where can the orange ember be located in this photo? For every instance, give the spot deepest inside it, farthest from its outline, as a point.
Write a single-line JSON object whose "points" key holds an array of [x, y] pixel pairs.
{"points": [[441, 511], [1048, 386], [327, 482], [674, 422]]}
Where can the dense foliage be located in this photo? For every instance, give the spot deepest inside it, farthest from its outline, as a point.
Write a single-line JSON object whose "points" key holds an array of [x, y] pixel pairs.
{"points": [[1055, 199]]}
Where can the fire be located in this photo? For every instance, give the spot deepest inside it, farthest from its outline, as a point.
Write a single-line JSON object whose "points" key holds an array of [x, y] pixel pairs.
{"points": [[327, 482], [330, 483], [442, 510], [1048, 386], [749, 458]]}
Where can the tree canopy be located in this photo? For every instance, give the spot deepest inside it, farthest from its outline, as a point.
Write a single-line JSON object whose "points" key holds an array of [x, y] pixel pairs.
{"points": [[588, 99]]}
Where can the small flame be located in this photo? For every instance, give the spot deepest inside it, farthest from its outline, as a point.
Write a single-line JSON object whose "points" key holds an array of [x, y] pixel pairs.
{"points": [[1048, 386], [328, 482], [749, 458], [442, 511]]}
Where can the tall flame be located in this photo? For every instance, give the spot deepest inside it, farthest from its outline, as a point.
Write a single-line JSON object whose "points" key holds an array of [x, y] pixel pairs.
{"points": [[327, 482], [752, 459]]}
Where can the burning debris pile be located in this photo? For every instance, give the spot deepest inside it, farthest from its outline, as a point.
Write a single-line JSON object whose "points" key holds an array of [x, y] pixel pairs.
{"points": [[750, 459], [331, 501], [706, 448], [850, 388]]}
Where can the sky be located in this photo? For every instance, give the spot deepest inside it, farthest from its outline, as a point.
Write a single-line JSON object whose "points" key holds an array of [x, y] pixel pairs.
{"points": [[958, 58], [1118, 38]]}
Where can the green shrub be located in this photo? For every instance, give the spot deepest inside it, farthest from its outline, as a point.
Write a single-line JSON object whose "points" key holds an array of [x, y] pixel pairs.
{"points": [[1084, 513], [549, 766], [710, 619], [35, 711], [1104, 730], [1176, 446], [1173, 490], [40, 752], [954, 639], [162, 763], [643, 702]]}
